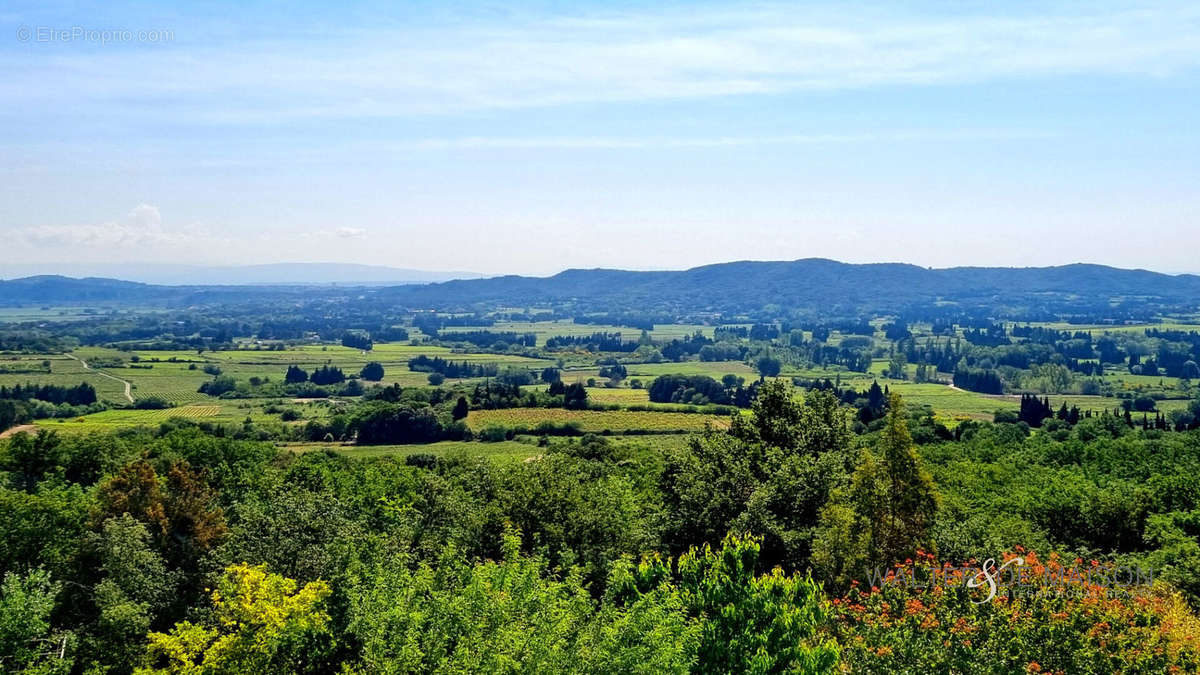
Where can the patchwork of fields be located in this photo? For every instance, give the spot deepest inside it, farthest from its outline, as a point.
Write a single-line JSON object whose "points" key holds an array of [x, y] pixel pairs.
{"points": [[568, 328], [523, 449], [175, 376], [111, 419], [501, 450], [594, 420], [714, 369], [64, 371]]}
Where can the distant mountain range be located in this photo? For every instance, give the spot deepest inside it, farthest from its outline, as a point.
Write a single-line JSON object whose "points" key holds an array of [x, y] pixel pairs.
{"points": [[736, 286], [811, 282], [349, 274]]}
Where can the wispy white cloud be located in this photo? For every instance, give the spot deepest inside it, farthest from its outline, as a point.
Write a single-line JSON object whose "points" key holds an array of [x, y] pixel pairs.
{"points": [[350, 232], [342, 232], [681, 52], [609, 143], [142, 231], [141, 227]]}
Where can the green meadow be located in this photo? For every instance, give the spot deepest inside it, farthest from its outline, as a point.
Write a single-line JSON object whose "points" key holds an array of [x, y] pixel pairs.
{"points": [[568, 328]]}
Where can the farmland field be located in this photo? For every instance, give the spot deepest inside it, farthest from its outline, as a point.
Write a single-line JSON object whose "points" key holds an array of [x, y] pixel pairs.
{"points": [[501, 450], [621, 396], [1134, 328], [594, 420], [714, 369], [113, 419], [581, 375], [64, 371], [168, 374], [524, 448], [171, 382], [58, 313], [568, 328]]}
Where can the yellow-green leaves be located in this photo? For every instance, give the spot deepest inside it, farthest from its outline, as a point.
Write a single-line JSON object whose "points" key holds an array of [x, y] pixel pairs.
{"points": [[257, 617]]}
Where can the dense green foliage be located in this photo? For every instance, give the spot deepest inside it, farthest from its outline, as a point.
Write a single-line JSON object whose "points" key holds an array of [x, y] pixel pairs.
{"points": [[179, 551]]}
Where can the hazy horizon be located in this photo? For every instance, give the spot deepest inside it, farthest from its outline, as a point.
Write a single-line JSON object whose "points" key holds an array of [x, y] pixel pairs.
{"points": [[338, 272], [534, 137]]}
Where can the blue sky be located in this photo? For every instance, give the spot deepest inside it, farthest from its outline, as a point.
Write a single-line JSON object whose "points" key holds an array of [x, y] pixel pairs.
{"points": [[528, 138]]}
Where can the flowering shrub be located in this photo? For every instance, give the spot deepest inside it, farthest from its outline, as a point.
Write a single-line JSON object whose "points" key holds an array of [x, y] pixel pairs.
{"points": [[1044, 616]]}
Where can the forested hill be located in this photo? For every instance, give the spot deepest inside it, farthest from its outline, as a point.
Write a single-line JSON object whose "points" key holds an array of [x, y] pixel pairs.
{"points": [[726, 287], [811, 283], [55, 289], [52, 288]]}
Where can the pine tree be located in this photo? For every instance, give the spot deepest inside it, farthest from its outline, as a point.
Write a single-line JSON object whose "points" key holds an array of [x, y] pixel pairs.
{"points": [[886, 513], [911, 500]]}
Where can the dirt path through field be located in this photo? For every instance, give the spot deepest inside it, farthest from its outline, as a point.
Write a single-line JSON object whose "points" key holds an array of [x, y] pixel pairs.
{"points": [[968, 391], [128, 386], [29, 428]]}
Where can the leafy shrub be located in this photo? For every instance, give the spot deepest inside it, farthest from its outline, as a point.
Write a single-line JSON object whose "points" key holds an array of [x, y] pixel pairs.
{"points": [[422, 460], [492, 434], [372, 372]]}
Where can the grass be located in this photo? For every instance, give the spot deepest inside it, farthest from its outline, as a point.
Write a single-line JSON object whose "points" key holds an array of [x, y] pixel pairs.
{"points": [[66, 372], [624, 397], [57, 313], [568, 328], [956, 404], [172, 382], [515, 450], [619, 396], [1125, 380], [503, 450], [594, 420], [175, 382], [714, 369], [1138, 328], [952, 403], [581, 375], [222, 412]]}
